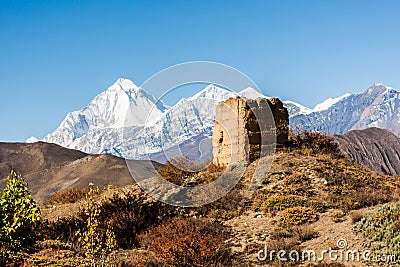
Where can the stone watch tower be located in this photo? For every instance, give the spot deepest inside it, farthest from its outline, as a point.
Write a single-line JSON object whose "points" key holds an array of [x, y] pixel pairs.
{"points": [[237, 135]]}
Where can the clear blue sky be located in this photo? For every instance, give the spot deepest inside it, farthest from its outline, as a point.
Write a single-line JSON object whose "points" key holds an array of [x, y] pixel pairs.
{"points": [[55, 56]]}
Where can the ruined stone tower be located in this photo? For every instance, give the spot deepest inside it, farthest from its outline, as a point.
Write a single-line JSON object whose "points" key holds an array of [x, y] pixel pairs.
{"points": [[239, 125]]}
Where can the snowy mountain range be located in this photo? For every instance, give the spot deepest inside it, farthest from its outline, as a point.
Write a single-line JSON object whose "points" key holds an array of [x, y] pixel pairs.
{"points": [[378, 106], [152, 126]]}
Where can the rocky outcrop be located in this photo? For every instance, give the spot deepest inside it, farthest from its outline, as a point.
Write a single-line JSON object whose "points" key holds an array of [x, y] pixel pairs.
{"points": [[245, 128], [375, 148]]}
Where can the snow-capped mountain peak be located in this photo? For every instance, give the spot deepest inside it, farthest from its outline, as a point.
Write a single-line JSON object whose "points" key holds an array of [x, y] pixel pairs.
{"points": [[295, 108], [108, 110], [250, 93], [124, 84], [329, 102], [31, 139], [214, 92], [375, 85], [378, 88], [219, 94]]}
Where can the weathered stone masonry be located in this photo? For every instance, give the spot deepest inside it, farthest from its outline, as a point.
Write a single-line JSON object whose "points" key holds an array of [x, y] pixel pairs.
{"points": [[237, 135]]}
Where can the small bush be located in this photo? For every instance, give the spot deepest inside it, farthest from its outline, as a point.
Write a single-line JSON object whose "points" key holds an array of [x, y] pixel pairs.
{"points": [[173, 174], [98, 244], [188, 242], [71, 195], [298, 184], [298, 215], [274, 203], [337, 216], [314, 141], [278, 203], [130, 213], [356, 216], [300, 233], [304, 232]]}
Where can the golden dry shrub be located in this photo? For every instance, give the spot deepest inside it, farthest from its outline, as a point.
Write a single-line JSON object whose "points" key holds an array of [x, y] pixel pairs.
{"points": [[70, 195], [316, 142], [174, 174], [298, 215], [278, 203]]}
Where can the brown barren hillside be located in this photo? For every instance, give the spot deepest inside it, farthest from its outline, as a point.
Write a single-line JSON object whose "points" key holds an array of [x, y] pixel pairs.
{"points": [[49, 168], [375, 148]]}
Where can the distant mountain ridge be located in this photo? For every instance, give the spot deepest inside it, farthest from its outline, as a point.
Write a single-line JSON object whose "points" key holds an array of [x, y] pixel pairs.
{"points": [[378, 106], [99, 128]]}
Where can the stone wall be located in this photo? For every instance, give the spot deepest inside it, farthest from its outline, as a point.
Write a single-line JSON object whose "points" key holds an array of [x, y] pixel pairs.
{"points": [[239, 125]]}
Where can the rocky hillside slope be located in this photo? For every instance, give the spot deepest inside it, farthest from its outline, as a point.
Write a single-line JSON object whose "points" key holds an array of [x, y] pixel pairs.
{"points": [[375, 148]]}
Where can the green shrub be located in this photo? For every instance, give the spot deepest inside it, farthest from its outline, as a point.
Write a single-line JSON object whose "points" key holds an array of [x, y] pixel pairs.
{"points": [[382, 228], [18, 215]]}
